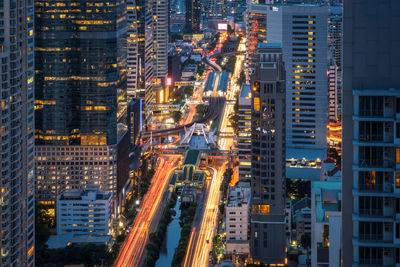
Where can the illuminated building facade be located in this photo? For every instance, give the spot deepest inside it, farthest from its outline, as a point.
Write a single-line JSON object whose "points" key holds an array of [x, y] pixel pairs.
{"points": [[256, 32], [140, 51], [244, 133], [192, 16], [268, 219], [80, 94], [160, 16], [302, 30], [332, 73], [17, 198], [371, 134], [335, 33]]}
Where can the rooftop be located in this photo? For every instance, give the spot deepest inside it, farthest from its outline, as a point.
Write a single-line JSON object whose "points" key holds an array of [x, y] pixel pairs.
{"points": [[64, 240], [245, 90], [192, 157], [90, 192], [269, 45], [238, 196]]}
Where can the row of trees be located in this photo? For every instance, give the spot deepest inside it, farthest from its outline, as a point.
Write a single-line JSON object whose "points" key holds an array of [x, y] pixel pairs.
{"points": [[157, 238], [185, 220]]}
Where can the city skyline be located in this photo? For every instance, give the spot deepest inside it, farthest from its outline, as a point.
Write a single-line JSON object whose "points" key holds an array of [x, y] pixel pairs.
{"points": [[200, 133]]}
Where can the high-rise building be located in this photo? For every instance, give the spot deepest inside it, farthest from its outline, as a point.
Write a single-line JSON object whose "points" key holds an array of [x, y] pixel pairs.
{"points": [[193, 16], [217, 9], [333, 91], [268, 234], [147, 39], [256, 32], [335, 34], [160, 35], [371, 134], [17, 134], [140, 51], [302, 29], [80, 94], [244, 133]]}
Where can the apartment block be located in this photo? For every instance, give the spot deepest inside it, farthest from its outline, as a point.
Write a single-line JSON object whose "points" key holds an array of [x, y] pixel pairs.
{"points": [[267, 219], [371, 134], [237, 220], [17, 177]]}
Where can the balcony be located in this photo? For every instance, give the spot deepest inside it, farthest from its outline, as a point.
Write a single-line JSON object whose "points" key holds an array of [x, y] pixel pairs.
{"points": [[375, 163], [371, 212], [371, 262], [371, 112], [371, 237], [374, 188]]}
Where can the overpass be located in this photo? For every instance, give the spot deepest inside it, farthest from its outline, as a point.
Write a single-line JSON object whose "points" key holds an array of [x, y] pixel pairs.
{"points": [[213, 112]]}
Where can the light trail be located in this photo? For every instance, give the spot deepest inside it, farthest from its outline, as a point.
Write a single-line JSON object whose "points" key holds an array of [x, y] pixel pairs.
{"points": [[197, 256], [133, 248]]}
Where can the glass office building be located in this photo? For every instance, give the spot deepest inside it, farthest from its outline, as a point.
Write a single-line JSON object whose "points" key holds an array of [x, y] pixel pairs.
{"points": [[80, 93]]}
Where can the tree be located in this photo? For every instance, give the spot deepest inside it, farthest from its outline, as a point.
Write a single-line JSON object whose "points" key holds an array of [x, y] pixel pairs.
{"points": [[177, 116], [201, 109], [219, 60], [200, 69], [188, 90], [242, 78], [230, 64]]}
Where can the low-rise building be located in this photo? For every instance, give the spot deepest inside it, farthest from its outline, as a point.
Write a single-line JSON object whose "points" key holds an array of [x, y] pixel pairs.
{"points": [[189, 72], [326, 218], [237, 220], [189, 193], [86, 211]]}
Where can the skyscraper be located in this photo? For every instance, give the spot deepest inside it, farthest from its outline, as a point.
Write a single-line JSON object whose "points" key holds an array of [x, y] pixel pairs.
{"points": [[17, 134], [80, 94], [371, 134], [301, 27], [244, 133], [302, 30], [192, 16], [140, 50], [160, 24], [268, 234]]}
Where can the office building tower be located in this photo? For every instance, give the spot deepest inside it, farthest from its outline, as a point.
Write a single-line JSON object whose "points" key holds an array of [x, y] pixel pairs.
{"points": [[268, 234], [302, 29], [217, 9], [160, 35], [80, 95], [192, 16], [335, 33], [244, 133], [140, 51], [371, 134], [17, 134]]}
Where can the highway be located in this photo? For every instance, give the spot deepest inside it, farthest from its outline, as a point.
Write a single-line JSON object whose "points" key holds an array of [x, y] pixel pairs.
{"points": [[200, 242], [132, 250]]}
